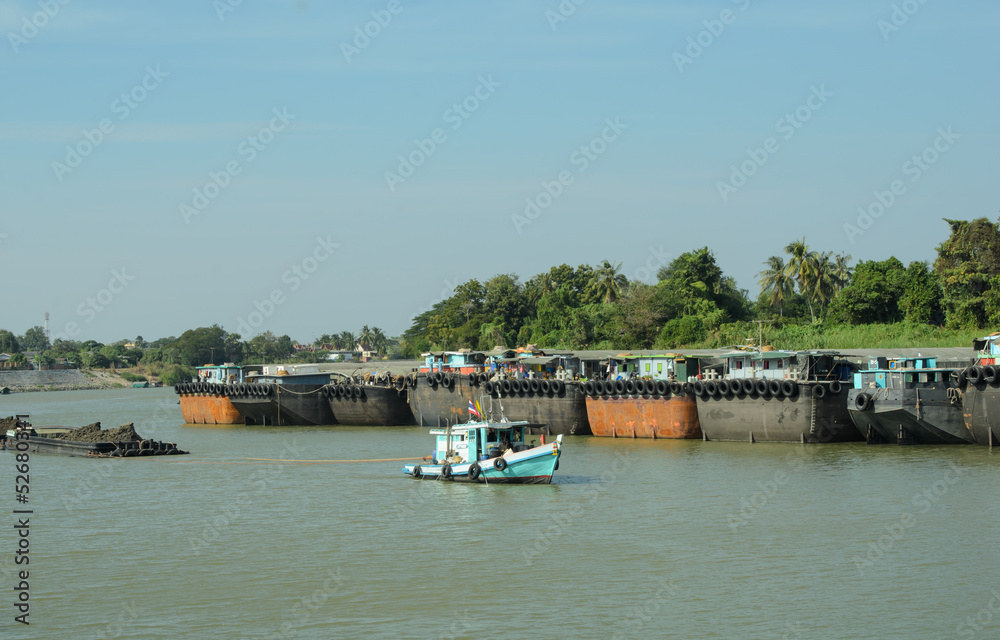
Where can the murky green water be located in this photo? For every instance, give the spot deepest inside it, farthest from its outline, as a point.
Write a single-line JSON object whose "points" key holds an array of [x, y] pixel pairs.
{"points": [[636, 539]]}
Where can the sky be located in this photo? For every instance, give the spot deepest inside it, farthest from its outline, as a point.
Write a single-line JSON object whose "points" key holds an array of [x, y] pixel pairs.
{"points": [[307, 168]]}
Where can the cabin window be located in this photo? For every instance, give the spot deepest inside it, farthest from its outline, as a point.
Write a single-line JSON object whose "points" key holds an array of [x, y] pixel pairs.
{"points": [[739, 365], [659, 367], [647, 367], [767, 364]]}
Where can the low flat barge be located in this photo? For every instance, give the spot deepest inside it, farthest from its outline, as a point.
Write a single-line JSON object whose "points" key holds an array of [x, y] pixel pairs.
{"points": [[908, 401]]}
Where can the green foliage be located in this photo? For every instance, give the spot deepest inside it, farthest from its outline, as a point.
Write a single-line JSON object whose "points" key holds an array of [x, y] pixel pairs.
{"points": [[966, 265], [680, 332], [177, 374], [8, 342], [133, 377], [873, 295], [197, 347], [34, 340], [898, 335], [922, 296]]}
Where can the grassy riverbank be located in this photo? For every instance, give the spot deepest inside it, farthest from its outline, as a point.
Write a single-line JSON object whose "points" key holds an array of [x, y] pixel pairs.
{"points": [[818, 336]]}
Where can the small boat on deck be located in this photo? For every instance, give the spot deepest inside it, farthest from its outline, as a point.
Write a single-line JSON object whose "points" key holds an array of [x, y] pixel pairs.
{"points": [[489, 452]]}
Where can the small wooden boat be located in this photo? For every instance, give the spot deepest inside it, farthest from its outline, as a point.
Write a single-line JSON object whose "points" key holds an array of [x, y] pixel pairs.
{"points": [[488, 452]]}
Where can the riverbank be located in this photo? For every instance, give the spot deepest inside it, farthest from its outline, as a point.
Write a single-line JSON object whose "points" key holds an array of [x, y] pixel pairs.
{"points": [[60, 380]]}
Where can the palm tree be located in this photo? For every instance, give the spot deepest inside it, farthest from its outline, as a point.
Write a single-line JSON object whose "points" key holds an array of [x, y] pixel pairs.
{"points": [[801, 267], [365, 337], [347, 340], [841, 272], [607, 283], [824, 284], [775, 283], [379, 341]]}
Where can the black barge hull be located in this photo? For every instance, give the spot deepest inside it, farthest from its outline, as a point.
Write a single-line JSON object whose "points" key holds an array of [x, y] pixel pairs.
{"points": [[981, 412], [284, 404], [368, 405], [562, 411], [804, 416], [899, 416]]}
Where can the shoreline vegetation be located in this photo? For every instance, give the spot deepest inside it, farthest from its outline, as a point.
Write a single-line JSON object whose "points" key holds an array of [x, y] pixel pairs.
{"points": [[808, 299]]}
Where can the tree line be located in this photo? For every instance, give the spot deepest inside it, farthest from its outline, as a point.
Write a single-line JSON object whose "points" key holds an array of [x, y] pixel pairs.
{"points": [[692, 304]]}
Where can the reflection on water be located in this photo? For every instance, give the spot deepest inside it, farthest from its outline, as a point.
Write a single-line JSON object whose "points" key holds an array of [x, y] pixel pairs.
{"points": [[635, 539]]}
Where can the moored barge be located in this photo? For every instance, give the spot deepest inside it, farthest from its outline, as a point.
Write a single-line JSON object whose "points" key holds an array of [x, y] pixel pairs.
{"points": [[907, 401], [655, 405], [777, 396]]}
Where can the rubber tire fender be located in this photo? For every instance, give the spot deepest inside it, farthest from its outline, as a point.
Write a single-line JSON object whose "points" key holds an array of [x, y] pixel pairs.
{"points": [[974, 374], [724, 388], [534, 385], [748, 386], [558, 387], [957, 379], [619, 387], [500, 464], [789, 389], [989, 374], [446, 471], [862, 402], [545, 386], [416, 471], [711, 388], [818, 391], [836, 387], [761, 387], [699, 388], [474, 471]]}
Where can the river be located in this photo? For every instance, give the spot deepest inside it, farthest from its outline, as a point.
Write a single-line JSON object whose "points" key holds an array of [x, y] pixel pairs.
{"points": [[634, 538]]}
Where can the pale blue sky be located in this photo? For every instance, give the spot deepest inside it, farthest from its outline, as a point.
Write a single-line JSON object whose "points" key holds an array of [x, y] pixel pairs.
{"points": [[650, 190]]}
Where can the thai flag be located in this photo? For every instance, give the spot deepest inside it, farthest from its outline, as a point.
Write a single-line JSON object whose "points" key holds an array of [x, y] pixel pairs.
{"points": [[472, 410]]}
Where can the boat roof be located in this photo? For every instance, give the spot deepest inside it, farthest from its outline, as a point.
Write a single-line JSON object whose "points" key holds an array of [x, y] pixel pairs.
{"points": [[471, 426]]}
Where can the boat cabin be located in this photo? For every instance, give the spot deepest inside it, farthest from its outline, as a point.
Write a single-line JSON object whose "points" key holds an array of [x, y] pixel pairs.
{"points": [[792, 365], [478, 441], [463, 361], [987, 349], [896, 373], [667, 366], [227, 373]]}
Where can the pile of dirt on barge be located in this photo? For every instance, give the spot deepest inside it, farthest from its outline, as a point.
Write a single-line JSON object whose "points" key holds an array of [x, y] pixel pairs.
{"points": [[87, 441]]}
